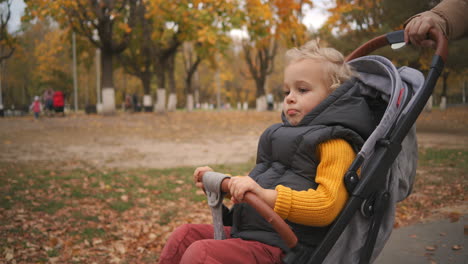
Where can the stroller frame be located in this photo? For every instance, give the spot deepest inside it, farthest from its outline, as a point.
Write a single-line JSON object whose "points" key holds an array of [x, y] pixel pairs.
{"points": [[368, 192]]}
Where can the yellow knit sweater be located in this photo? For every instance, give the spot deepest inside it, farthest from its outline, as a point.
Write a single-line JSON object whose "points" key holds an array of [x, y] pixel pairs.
{"points": [[321, 206]]}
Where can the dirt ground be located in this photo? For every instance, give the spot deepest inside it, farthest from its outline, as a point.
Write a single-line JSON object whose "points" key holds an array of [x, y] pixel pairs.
{"points": [[63, 217], [175, 139]]}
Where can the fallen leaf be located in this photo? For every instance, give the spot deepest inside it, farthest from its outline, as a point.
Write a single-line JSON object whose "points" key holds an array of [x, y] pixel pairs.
{"points": [[457, 247], [9, 254], [431, 248], [97, 241], [119, 247]]}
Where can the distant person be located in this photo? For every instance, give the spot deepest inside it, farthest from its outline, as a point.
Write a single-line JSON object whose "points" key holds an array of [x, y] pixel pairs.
{"points": [[128, 102], [449, 16], [59, 102], [270, 102], [48, 98], [36, 107], [136, 106]]}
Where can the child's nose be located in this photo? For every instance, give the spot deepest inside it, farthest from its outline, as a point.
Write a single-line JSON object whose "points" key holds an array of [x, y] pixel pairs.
{"points": [[290, 98]]}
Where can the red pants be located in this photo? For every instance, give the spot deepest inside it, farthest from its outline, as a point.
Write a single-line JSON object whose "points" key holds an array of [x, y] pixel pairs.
{"points": [[191, 243]]}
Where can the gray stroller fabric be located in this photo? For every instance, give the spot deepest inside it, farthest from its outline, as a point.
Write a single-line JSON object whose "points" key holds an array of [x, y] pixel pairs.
{"points": [[392, 85], [383, 81], [212, 183]]}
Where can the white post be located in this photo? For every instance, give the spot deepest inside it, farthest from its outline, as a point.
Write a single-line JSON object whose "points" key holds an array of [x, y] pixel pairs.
{"points": [[443, 103], [189, 102], [147, 102], [463, 93], [160, 106], [98, 73], [75, 84], [218, 86], [98, 80], [1, 98]]}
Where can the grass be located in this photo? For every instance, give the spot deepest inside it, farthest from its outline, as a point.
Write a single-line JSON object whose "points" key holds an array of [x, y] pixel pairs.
{"points": [[90, 233], [49, 191], [452, 158], [441, 182], [49, 207], [92, 200]]}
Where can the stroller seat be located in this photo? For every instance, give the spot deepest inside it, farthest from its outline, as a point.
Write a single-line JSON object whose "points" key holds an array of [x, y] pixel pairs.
{"points": [[387, 160]]}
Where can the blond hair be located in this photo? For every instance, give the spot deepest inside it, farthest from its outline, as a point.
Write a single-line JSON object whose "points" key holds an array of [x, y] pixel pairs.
{"points": [[338, 71]]}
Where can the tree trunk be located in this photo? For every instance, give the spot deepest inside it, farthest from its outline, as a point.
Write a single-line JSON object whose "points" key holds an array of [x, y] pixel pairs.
{"points": [[171, 105], [261, 103], [429, 103], [107, 84], [172, 102], [189, 103], [160, 106], [147, 100], [443, 98], [189, 92]]}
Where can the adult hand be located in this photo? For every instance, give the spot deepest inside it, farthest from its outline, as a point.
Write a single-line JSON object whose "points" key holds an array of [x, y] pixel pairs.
{"points": [[416, 31], [198, 174]]}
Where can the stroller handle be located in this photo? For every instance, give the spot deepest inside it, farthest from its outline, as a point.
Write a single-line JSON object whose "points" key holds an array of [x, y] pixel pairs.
{"points": [[396, 37], [268, 214]]}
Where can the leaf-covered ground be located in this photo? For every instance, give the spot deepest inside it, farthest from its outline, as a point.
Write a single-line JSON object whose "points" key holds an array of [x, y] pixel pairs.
{"points": [[62, 204]]}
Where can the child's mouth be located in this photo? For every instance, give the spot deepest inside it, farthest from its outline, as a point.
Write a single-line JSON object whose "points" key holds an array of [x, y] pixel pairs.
{"points": [[292, 112]]}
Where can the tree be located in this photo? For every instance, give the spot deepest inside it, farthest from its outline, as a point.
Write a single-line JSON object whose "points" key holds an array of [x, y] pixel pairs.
{"points": [[204, 23], [7, 46], [353, 22], [20, 82], [206, 36], [455, 64], [112, 20], [357, 21], [137, 60], [268, 23], [191, 62]]}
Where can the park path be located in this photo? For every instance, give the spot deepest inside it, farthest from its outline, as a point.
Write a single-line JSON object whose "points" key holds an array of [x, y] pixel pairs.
{"points": [[153, 141]]}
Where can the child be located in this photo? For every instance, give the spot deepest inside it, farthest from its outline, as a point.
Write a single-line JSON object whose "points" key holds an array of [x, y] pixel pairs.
{"points": [[36, 107], [300, 166]]}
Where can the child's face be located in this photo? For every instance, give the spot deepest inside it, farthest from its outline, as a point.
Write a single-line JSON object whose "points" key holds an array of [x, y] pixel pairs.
{"points": [[304, 88]]}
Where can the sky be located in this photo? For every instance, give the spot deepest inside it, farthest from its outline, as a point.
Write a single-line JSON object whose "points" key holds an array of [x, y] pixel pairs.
{"points": [[313, 18], [17, 11]]}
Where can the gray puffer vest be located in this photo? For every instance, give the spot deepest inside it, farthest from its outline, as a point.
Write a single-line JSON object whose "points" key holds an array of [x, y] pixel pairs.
{"points": [[286, 156]]}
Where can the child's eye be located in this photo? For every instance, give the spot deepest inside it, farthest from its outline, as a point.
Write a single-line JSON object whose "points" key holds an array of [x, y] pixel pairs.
{"points": [[303, 90], [286, 93]]}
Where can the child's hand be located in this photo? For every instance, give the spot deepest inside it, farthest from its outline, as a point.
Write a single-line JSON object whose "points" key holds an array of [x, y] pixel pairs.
{"points": [[198, 174], [239, 185]]}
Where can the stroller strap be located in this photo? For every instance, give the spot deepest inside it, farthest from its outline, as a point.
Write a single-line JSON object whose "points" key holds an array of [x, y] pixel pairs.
{"points": [[212, 183]]}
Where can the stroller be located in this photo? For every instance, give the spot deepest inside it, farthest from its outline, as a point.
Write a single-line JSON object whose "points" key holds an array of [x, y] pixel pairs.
{"points": [[387, 162]]}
